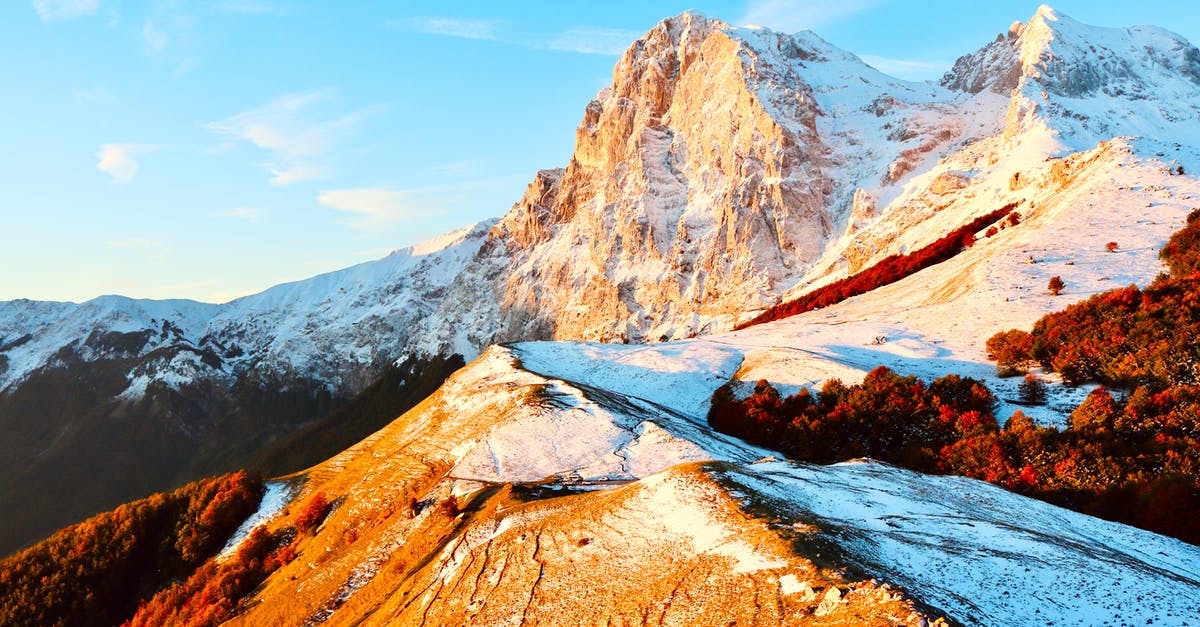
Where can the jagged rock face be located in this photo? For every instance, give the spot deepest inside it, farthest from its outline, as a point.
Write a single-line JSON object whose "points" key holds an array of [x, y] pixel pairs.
{"points": [[995, 67], [690, 196]]}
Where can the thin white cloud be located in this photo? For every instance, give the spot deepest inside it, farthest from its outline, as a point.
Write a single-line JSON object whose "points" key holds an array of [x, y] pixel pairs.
{"points": [[134, 243], [296, 173], [456, 169], [167, 34], [795, 15], [94, 96], [57, 10], [382, 207], [293, 132], [250, 214], [251, 7], [584, 40], [906, 69], [120, 161], [221, 148], [604, 41], [156, 39], [487, 30]]}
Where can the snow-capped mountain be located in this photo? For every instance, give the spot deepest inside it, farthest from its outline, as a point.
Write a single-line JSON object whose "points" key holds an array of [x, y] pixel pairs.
{"points": [[1088, 83], [707, 180], [724, 170], [335, 328]]}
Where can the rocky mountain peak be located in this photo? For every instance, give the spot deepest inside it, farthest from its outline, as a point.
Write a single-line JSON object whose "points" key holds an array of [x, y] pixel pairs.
{"points": [[1071, 59], [1087, 82], [695, 189]]}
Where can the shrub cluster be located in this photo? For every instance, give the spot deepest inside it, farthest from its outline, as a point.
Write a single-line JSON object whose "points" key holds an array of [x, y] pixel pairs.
{"points": [[887, 417], [889, 270], [1135, 462]]}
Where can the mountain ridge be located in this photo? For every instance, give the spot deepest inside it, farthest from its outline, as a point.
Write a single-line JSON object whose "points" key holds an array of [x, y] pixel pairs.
{"points": [[825, 166]]}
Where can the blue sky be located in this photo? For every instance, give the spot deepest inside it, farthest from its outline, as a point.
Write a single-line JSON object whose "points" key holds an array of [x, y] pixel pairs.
{"points": [[206, 150]]}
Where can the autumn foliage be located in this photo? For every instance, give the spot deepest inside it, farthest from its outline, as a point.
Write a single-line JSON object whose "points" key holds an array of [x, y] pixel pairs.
{"points": [[210, 595], [1012, 351], [887, 417], [96, 572], [314, 512], [1125, 338], [1133, 456], [1182, 252], [889, 270], [1134, 461]]}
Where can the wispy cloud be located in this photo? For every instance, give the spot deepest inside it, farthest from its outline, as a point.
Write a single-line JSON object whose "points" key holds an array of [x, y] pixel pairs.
{"points": [[155, 38], [293, 132], [451, 27], [584, 40], [120, 161], [296, 173], [57, 10], [221, 148], [605, 41], [382, 207], [249, 214], [796, 15], [134, 243], [167, 33], [456, 169], [94, 96], [906, 69], [251, 7]]}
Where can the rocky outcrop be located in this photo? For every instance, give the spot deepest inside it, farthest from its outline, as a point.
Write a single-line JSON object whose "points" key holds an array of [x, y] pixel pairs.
{"points": [[995, 67]]}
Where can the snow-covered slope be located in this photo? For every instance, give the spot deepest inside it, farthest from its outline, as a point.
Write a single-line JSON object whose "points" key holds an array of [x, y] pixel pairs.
{"points": [[582, 504]]}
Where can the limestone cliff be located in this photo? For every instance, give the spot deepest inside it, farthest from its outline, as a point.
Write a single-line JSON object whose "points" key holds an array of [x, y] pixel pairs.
{"points": [[703, 185]]}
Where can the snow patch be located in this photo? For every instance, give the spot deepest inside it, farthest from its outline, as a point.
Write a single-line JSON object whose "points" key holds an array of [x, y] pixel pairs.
{"points": [[277, 495]]}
